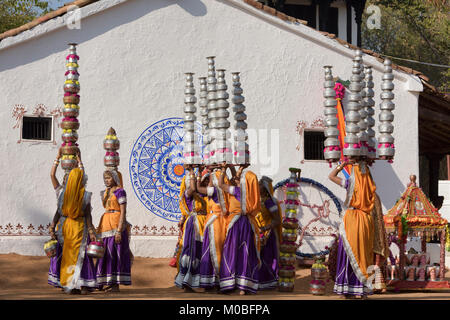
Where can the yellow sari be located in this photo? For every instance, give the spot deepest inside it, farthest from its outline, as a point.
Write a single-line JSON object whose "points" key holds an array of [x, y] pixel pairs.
{"points": [[73, 229]]}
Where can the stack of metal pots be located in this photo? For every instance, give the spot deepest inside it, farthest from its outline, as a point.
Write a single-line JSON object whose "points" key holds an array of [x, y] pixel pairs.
{"points": [[288, 245], [369, 103], [241, 147], [362, 124], [111, 144], [191, 152], [222, 145], [70, 123], [332, 150], [211, 88], [352, 141], [386, 150], [319, 274], [203, 105]]}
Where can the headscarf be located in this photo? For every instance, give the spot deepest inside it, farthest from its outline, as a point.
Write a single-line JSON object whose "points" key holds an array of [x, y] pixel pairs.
{"points": [[117, 177], [74, 194]]}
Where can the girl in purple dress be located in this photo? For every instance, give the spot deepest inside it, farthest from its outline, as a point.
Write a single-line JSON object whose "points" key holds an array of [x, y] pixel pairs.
{"points": [[114, 268]]}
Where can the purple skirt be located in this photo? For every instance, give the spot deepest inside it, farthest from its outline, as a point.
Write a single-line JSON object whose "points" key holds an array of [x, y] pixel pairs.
{"points": [[87, 274], [209, 278], [346, 282], [268, 273], [115, 266], [239, 265], [189, 273]]}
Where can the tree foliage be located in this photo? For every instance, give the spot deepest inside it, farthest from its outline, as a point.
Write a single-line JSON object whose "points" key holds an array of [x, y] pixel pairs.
{"points": [[14, 13], [416, 30]]}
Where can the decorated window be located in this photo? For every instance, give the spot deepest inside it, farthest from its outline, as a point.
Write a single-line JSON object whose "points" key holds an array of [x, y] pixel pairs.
{"points": [[313, 144], [37, 128]]}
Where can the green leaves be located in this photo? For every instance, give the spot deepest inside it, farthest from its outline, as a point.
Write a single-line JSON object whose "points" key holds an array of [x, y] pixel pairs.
{"points": [[413, 29], [14, 13]]}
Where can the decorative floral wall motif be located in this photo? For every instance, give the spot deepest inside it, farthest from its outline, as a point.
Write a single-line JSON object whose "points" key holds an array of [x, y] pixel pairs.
{"points": [[300, 129], [41, 230], [40, 110]]}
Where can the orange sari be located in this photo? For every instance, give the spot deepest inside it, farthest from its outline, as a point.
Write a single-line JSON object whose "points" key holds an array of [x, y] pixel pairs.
{"points": [[357, 227], [216, 222]]}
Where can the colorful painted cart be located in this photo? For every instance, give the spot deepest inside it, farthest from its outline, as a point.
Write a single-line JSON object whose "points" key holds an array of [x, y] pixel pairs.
{"points": [[414, 215]]}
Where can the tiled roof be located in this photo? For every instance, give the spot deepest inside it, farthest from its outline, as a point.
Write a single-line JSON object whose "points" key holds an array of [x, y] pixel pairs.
{"points": [[269, 10]]}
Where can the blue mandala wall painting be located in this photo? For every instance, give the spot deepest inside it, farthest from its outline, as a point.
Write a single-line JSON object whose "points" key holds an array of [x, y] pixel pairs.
{"points": [[156, 167]]}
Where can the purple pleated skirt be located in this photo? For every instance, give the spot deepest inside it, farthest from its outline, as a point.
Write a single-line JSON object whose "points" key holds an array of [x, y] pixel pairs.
{"points": [[189, 273], [209, 278], [115, 266], [268, 273], [87, 275], [346, 282], [239, 265]]}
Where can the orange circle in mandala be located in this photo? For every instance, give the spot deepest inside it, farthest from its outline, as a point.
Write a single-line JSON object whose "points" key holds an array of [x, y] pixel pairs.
{"points": [[178, 170]]}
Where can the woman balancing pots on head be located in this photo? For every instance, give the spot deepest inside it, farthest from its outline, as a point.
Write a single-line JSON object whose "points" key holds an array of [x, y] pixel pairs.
{"points": [[241, 259], [269, 223], [192, 225], [355, 248], [114, 268], [214, 231], [72, 269]]}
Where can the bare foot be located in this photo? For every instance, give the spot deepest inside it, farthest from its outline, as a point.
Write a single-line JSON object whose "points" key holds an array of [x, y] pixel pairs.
{"points": [[242, 293]]}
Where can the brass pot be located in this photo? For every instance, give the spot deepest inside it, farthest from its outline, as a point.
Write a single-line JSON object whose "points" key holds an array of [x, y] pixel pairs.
{"points": [[286, 273], [288, 248], [71, 100], [71, 87], [70, 150], [70, 125], [290, 224]]}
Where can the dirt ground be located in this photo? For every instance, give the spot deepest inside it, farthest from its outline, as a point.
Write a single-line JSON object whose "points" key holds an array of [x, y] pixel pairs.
{"points": [[153, 279]]}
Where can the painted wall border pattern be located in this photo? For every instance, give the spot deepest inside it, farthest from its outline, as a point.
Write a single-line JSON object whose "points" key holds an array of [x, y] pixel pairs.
{"points": [[41, 230]]}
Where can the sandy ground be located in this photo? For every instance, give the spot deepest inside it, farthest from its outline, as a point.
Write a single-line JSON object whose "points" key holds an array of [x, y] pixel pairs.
{"points": [[25, 277]]}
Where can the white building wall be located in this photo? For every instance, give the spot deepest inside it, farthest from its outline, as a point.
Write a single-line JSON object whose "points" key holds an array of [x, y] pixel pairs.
{"points": [[132, 60]]}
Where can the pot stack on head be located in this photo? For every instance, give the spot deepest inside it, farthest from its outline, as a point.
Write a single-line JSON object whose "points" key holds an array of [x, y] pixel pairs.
{"points": [[386, 150], [211, 89], [190, 149], [352, 146], [367, 96], [222, 145], [203, 105], [71, 110], [241, 148], [288, 245], [111, 144], [332, 150]]}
